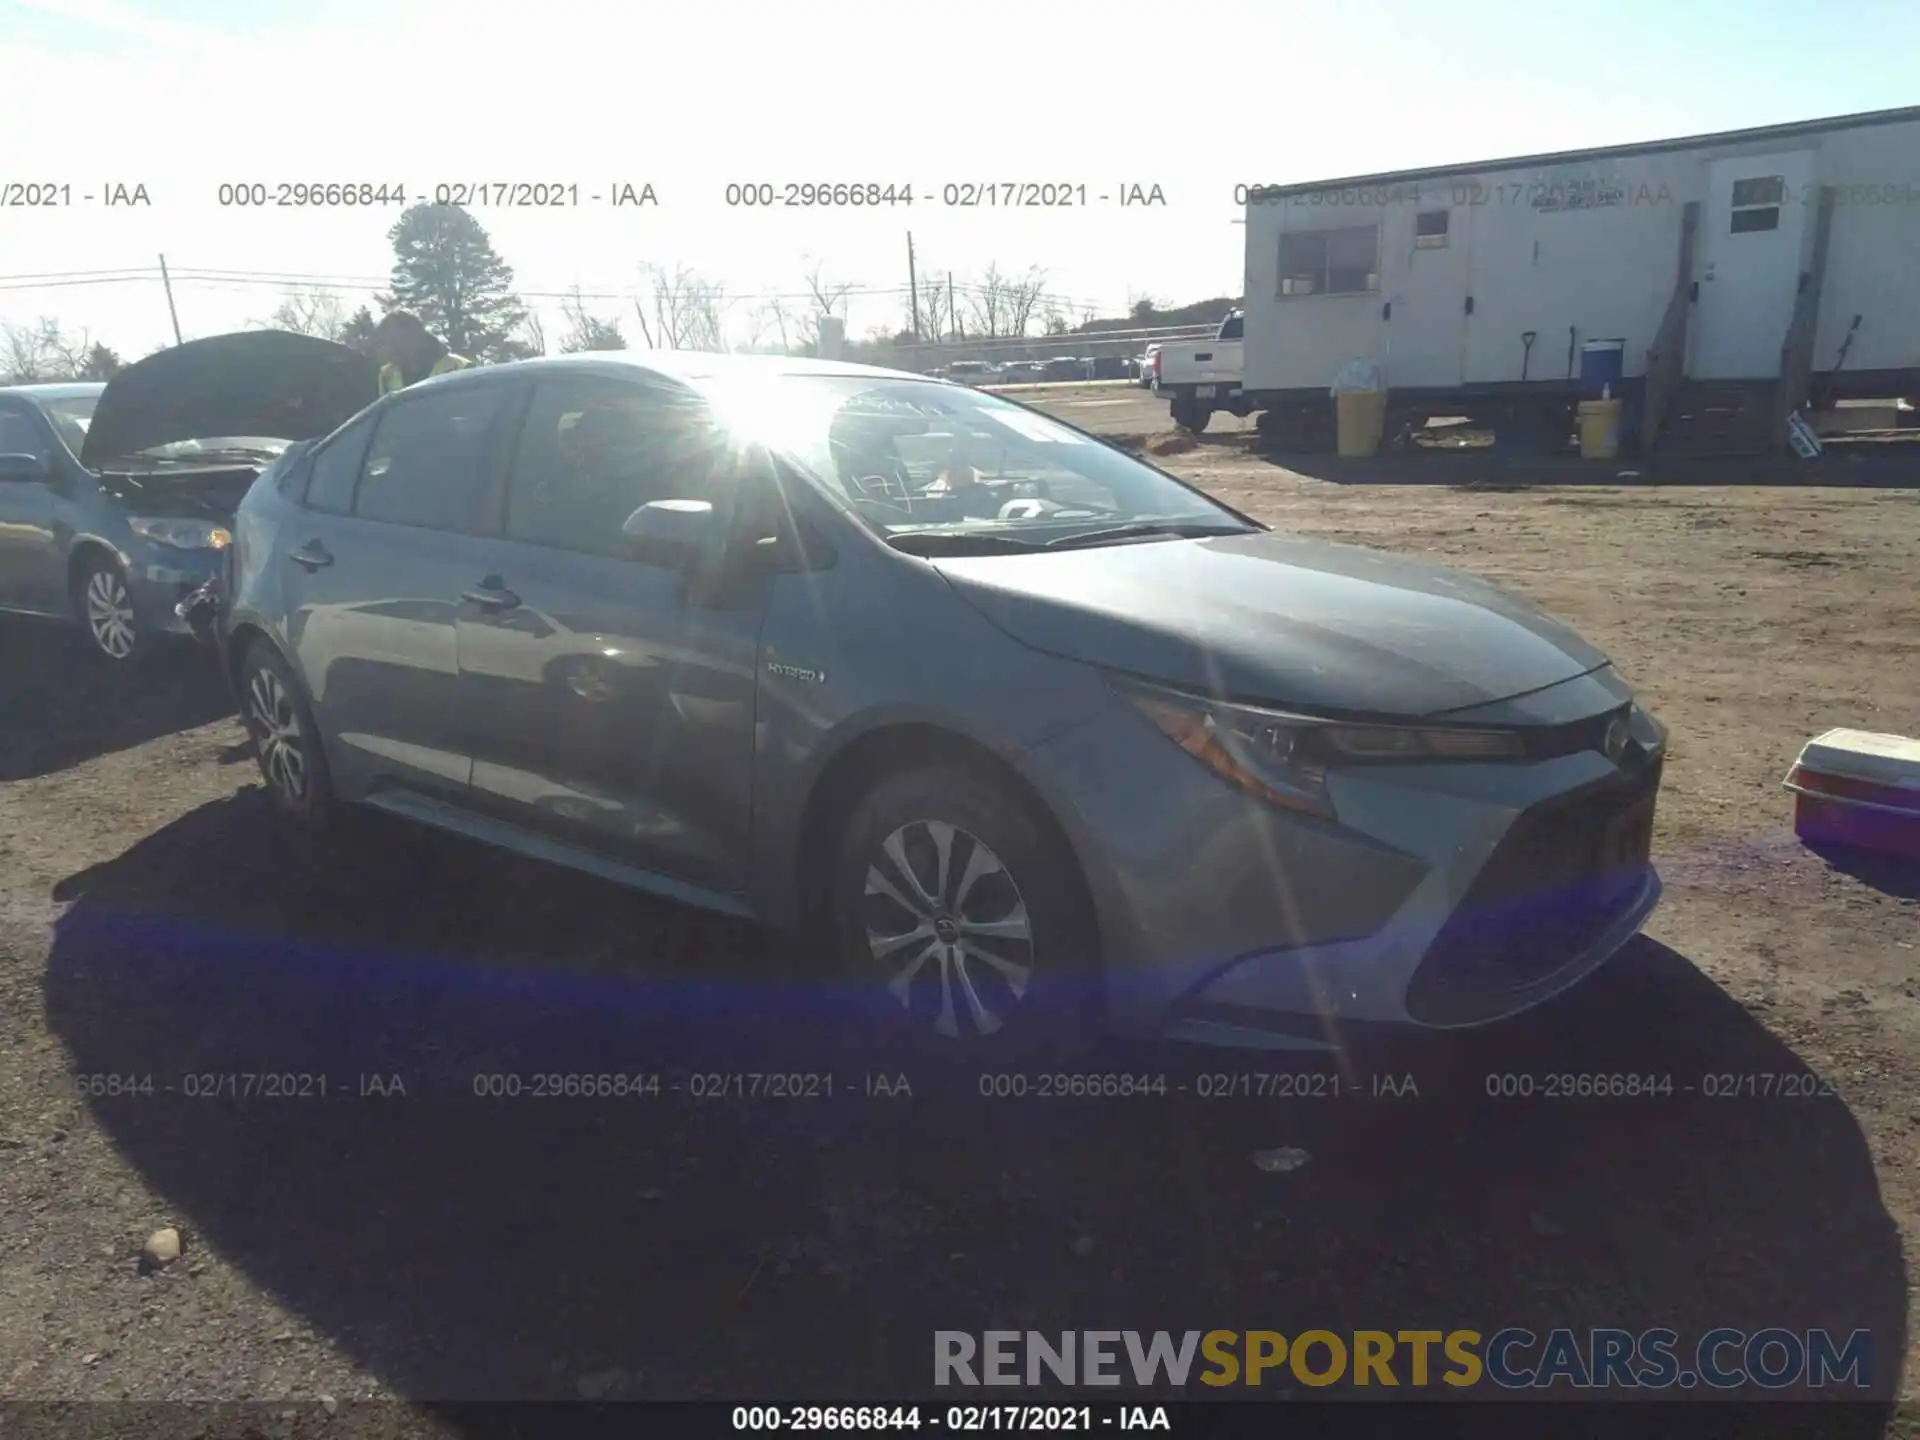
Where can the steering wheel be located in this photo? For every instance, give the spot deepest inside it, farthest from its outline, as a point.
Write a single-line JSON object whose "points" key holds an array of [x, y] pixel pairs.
{"points": [[886, 479]]}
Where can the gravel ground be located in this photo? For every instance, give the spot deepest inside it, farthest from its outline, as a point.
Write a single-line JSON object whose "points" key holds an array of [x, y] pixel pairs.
{"points": [[403, 1237]]}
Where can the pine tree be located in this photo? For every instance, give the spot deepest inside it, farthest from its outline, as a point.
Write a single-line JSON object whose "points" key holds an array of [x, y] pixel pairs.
{"points": [[446, 272]]}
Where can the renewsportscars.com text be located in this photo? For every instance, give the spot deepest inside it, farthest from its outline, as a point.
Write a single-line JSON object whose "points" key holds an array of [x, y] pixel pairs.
{"points": [[1511, 1358]]}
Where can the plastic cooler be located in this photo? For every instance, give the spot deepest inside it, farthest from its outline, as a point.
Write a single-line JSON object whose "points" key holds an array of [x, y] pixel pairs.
{"points": [[1602, 365], [1853, 787]]}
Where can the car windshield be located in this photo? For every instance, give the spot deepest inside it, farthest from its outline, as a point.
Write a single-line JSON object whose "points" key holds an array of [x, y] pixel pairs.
{"points": [[70, 417], [931, 466]]}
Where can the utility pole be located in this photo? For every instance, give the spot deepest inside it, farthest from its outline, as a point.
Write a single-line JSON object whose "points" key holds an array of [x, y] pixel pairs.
{"points": [[953, 315], [168, 284], [913, 286]]}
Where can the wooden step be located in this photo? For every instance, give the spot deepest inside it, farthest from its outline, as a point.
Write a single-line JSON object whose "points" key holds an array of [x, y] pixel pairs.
{"points": [[1719, 418]]}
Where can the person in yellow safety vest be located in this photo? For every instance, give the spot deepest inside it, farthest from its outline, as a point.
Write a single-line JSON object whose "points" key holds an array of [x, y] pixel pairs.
{"points": [[407, 352]]}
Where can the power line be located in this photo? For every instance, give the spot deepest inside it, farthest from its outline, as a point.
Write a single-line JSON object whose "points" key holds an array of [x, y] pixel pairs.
{"points": [[307, 280], [68, 284]]}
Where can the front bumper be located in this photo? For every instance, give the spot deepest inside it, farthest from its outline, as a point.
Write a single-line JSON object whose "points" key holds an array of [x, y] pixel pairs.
{"points": [[200, 610], [1448, 895], [158, 588]]}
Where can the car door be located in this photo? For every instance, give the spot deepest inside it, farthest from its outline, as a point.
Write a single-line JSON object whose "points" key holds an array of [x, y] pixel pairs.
{"points": [[32, 569], [612, 706], [395, 514]]}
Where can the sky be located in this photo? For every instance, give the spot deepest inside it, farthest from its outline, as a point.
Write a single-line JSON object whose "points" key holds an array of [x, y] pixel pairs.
{"points": [[185, 96]]}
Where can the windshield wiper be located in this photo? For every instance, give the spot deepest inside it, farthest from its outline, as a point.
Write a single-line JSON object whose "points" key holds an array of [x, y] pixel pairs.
{"points": [[220, 452], [1148, 529], [959, 542]]}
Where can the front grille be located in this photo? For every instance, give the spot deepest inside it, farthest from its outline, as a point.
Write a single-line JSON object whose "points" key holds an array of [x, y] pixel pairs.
{"points": [[1562, 874]]}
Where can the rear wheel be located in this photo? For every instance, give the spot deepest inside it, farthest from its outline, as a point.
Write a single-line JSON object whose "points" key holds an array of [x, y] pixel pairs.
{"points": [[286, 741], [959, 918], [1191, 416], [104, 605]]}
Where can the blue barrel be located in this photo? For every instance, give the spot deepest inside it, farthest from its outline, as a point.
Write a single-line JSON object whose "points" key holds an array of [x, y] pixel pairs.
{"points": [[1600, 365]]}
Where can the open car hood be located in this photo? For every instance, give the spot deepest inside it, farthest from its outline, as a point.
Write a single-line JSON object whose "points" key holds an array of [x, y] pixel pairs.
{"points": [[267, 383]]}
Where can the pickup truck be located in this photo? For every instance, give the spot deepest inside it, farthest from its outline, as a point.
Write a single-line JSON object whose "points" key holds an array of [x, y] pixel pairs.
{"points": [[1200, 379]]}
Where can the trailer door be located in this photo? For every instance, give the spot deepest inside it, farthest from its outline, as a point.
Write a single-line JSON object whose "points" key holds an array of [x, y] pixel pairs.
{"points": [[1426, 273], [1756, 215]]}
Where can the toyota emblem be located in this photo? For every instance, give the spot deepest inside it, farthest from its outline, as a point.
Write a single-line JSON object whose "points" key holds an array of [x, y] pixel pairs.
{"points": [[1615, 742]]}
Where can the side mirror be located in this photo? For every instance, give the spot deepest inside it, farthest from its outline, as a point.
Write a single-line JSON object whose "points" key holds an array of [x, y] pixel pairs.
{"points": [[23, 469], [670, 532]]}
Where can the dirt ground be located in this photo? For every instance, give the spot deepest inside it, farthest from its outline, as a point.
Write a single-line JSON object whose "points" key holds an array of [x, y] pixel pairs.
{"points": [[440, 1245]]}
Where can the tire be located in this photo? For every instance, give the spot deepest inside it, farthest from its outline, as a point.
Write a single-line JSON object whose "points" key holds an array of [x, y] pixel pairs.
{"points": [[1002, 869], [286, 741], [1191, 416], [103, 604]]}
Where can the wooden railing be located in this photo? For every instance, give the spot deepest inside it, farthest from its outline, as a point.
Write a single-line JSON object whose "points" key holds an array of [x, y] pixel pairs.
{"points": [[1667, 356], [1796, 352]]}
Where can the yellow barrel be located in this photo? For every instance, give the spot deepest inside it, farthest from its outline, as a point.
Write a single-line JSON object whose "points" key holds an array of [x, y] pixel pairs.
{"points": [[1599, 429], [1360, 416]]}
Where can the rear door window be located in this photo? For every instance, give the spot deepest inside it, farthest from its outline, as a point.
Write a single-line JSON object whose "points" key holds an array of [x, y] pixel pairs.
{"points": [[431, 460]]}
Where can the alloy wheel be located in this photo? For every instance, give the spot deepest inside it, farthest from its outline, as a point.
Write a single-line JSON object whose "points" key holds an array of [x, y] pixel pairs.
{"points": [[110, 613], [942, 910], [275, 723]]}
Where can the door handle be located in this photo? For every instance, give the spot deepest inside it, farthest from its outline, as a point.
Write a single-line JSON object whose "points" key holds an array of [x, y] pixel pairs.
{"points": [[312, 555], [492, 595]]}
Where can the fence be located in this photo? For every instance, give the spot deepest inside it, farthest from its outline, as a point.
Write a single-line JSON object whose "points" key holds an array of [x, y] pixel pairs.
{"points": [[1094, 344]]}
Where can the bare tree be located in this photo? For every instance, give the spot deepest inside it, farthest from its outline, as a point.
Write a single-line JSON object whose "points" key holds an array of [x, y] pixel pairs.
{"points": [[21, 359], [755, 330], [43, 351], [309, 312], [785, 324], [987, 304], [587, 331], [1023, 296], [824, 299], [684, 311], [1002, 305], [707, 310], [934, 319]]}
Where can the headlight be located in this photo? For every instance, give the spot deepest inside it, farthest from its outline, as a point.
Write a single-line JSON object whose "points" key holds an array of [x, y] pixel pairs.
{"points": [[1646, 732], [183, 534], [1283, 758]]}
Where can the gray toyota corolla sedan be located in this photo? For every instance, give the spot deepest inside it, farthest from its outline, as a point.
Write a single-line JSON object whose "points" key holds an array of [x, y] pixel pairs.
{"points": [[1037, 737]]}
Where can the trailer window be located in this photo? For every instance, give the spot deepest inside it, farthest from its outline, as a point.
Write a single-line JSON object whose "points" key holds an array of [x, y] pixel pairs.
{"points": [[1430, 230], [1756, 204], [1330, 262]]}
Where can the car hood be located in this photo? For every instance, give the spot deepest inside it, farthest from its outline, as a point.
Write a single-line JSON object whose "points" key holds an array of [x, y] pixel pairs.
{"points": [[257, 382], [1280, 619]]}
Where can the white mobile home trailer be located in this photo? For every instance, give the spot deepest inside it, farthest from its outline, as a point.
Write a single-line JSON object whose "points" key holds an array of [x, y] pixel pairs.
{"points": [[1772, 264]]}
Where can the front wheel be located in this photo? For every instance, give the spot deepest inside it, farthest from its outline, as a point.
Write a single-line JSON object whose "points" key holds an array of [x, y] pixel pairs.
{"points": [[959, 919], [105, 606], [286, 740]]}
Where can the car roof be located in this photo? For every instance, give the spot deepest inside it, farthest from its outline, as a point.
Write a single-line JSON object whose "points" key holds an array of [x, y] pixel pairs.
{"points": [[62, 390], [697, 368]]}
